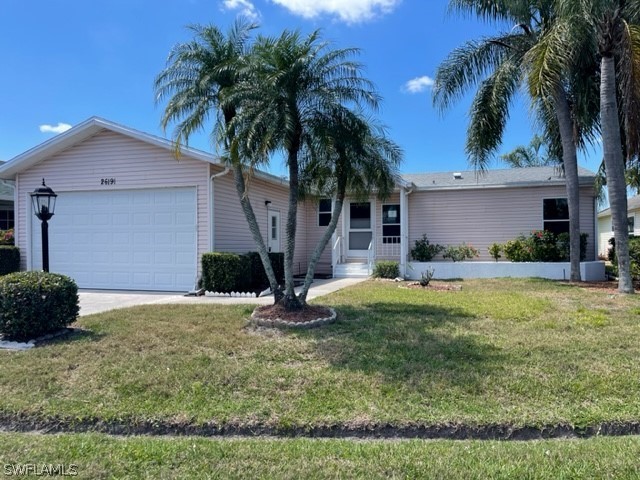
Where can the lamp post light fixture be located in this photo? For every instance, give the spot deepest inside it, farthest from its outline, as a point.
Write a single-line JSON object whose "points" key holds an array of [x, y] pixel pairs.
{"points": [[44, 205]]}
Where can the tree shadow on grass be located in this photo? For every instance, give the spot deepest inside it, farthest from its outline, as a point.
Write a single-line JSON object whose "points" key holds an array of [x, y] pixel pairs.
{"points": [[408, 343]]}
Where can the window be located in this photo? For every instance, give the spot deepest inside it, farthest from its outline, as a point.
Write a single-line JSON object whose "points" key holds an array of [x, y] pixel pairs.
{"points": [[6, 219], [391, 224], [556, 215], [324, 212], [631, 221], [274, 227]]}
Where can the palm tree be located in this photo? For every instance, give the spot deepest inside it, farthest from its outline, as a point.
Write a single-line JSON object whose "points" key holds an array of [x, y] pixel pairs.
{"points": [[289, 84], [499, 65], [356, 158], [529, 156], [197, 75]]}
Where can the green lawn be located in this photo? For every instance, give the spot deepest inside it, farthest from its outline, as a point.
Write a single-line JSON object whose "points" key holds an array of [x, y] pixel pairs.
{"points": [[500, 351], [99, 456]]}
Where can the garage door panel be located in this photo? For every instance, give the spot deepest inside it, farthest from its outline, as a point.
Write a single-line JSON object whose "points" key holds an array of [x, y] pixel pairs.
{"points": [[138, 239]]}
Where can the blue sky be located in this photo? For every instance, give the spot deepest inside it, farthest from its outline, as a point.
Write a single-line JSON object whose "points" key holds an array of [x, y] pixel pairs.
{"points": [[67, 60]]}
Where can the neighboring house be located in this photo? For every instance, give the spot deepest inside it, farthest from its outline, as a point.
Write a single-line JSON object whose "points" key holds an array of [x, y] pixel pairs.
{"points": [[130, 216], [605, 227], [6, 203]]}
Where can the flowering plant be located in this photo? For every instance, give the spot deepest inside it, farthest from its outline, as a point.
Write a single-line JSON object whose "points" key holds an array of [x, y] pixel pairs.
{"points": [[6, 237]]}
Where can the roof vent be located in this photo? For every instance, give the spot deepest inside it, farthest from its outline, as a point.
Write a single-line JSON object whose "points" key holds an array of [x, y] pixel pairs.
{"points": [[457, 176]]}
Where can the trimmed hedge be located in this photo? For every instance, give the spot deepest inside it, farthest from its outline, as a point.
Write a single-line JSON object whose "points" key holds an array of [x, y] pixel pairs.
{"points": [[386, 269], [259, 278], [36, 303], [9, 259], [225, 272]]}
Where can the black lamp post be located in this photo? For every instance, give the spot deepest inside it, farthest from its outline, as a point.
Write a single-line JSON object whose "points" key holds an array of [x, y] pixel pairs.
{"points": [[44, 205]]}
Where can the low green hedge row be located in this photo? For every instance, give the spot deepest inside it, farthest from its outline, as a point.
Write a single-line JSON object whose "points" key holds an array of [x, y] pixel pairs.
{"points": [[232, 272], [36, 303], [386, 269], [9, 259]]}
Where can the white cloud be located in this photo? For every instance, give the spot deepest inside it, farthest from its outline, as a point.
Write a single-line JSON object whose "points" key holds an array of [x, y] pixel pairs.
{"points": [[246, 8], [61, 127], [349, 11], [418, 84]]}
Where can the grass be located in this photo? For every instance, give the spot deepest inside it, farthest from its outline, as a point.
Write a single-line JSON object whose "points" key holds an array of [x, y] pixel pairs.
{"points": [[99, 456], [520, 352]]}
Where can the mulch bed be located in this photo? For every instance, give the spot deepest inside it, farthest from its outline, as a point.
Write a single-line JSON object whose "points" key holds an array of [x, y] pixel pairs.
{"points": [[278, 312], [436, 287]]}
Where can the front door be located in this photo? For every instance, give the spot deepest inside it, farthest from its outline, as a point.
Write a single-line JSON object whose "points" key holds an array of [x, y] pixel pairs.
{"points": [[360, 229], [274, 231]]}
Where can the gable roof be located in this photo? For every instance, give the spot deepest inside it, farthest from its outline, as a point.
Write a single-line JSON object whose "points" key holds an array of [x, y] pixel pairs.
{"points": [[633, 203], [502, 178], [81, 132]]}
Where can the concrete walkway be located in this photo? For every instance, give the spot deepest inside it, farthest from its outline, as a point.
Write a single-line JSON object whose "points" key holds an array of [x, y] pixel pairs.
{"points": [[96, 301]]}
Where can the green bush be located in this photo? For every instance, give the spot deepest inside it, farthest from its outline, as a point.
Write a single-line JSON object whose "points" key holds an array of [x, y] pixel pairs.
{"points": [[7, 237], [386, 269], [225, 272], [423, 251], [518, 250], [36, 303], [259, 278], [634, 256], [458, 253], [542, 246], [495, 249], [564, 246], [9, 259]]}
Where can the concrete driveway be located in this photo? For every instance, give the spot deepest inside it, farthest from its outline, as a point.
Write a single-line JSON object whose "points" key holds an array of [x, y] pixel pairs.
{"points": [[97, 301]]}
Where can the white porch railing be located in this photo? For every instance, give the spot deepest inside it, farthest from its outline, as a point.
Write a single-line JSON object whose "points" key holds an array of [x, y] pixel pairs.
{"points": [[336, 253], [370, 257], [389, 247]]}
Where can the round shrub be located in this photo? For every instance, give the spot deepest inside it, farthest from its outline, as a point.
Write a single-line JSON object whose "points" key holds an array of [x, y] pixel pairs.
{"points": [[36, 303], [386, 269]]}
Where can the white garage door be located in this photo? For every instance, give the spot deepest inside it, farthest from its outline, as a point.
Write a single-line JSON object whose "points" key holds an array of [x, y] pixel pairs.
{"points": [[127, 239]]}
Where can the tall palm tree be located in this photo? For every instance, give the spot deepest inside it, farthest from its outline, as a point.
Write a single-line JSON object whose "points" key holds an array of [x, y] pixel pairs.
{"points": [[500, 65], [529, 156], [289, 83], [197, 75], [356, 159]]}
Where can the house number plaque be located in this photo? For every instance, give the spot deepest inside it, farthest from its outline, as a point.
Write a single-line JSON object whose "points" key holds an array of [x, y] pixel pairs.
{"points": [[107, 181]]}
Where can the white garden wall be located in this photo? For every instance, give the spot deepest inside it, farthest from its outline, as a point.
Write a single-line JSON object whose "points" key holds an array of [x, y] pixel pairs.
{"points": [[589, 271]]}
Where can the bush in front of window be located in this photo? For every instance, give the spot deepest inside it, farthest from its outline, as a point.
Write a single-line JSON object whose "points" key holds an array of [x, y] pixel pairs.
{"points": [[424, 251], [9, 259], [542, 246], [258, 276], [6, 237], [386, 269], [36, 303], [564, 246]]}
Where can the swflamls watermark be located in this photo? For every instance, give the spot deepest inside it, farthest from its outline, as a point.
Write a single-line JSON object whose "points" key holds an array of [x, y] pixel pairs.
{"points": [[39, 469]]}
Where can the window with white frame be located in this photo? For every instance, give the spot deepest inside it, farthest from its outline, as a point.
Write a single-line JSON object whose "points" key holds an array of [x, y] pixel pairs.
{"points": [[324, 212], [391, 224], [556, 215], [6, 219]]}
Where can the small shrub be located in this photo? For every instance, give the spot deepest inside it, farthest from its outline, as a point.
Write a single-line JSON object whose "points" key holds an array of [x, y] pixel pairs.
{"points": [[36, 303], [494, 250], [544, 246], [225, 272], [7, 237], [258, 276], [423, 251], [564, 246], [9, 259], [386, 269], [458, 253], [517, 250], [426, 277]]}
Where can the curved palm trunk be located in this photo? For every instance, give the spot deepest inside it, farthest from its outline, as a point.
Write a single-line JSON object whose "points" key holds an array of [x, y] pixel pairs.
{"points": [[254, 228], [614, 165], [320, 246], [570, 161]]}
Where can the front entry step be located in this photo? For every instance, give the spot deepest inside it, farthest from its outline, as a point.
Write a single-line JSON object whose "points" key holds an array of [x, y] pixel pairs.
{"points": [[349, 270]]}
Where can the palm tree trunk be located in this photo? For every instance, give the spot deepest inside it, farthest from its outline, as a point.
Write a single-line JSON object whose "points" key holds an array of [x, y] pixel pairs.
{"points": [[254, 228], [290, 301], [614, 165], [570, 162], [320, 246]]}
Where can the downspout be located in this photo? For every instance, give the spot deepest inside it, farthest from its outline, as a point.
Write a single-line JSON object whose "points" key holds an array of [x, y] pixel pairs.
{"points": [[596, 230]]}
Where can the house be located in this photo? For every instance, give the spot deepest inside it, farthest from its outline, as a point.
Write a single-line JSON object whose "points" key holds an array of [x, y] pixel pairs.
{"points": [[6, 203], [605, 227], [130, 216]]}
